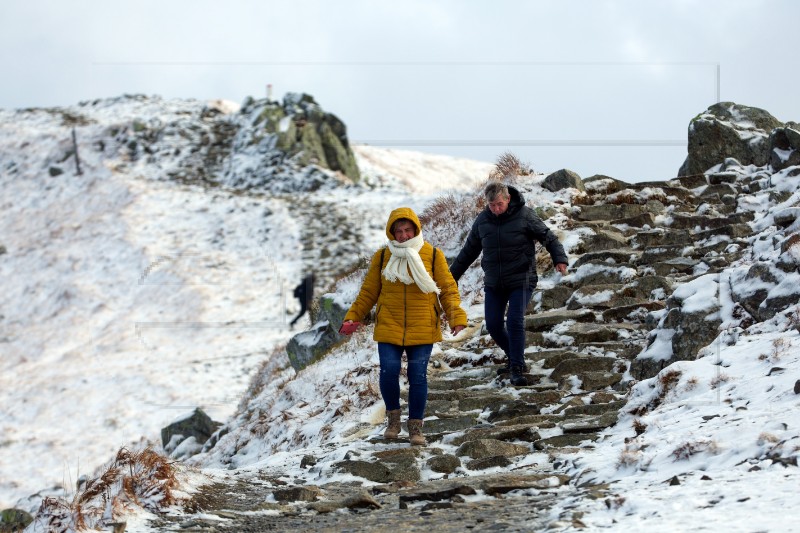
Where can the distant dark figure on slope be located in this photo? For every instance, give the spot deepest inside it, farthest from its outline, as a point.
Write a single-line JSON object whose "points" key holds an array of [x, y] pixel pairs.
{"points": [[305, 293], [506, 232]]}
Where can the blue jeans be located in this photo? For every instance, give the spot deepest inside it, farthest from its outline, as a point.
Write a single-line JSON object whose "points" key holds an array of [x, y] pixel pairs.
{"points": [[509, 336], [418, 357]]}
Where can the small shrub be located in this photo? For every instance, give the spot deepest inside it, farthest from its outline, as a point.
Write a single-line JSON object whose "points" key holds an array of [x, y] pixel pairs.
{"points": [[719, 380], [765, 438], [144, 479], [639, 427], [668, 380], [508, 167], [688, 449], [615, 502], [779, 348]]}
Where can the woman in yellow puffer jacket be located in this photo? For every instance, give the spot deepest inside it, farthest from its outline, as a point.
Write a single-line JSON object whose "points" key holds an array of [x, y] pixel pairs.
{"points": [[411, 284]]}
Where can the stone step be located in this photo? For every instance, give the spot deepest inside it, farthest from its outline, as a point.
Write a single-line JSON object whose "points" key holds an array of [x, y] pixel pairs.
{"points": [[545, 320], [605, 256], [661, 237]]}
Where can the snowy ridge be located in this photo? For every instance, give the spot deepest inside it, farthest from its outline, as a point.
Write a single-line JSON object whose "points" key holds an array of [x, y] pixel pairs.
{"points": [[131, 294], [181, 294]]}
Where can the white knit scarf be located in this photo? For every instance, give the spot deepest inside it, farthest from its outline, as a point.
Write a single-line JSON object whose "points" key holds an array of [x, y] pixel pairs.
{"points": [[405, 257]]}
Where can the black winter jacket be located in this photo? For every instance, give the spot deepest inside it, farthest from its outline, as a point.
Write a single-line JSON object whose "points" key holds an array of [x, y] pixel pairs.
{"points": [[507, 243]]}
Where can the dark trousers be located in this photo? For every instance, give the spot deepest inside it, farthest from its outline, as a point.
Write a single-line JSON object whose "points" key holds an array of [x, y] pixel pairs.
{"points": [[508, 333], [389, 381], [303, 309]]}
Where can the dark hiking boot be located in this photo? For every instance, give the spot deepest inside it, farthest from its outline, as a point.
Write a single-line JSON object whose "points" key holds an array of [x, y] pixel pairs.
{"points": [[393, 429], [517, 378], [507, 369]]}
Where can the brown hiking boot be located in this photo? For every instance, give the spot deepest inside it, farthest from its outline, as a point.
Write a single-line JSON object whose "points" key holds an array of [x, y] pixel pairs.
{"points": [[393, 430], [415, 433]]}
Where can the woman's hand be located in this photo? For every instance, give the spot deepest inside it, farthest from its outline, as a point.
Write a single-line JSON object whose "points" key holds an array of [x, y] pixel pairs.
{"points": [[349, 327], [457, 329]]}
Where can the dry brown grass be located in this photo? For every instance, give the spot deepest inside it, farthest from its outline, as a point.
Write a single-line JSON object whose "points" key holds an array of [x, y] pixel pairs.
{"points": [[688, 449], [450, 210], [508, 168], [144, 479], [583, 198], [668, 380]]}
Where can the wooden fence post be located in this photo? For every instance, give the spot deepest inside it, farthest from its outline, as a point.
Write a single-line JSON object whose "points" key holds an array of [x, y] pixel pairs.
{"points": [[75, 150]]}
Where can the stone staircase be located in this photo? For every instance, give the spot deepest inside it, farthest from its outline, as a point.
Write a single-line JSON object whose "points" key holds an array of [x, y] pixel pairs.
{"points": [[497, 454]]}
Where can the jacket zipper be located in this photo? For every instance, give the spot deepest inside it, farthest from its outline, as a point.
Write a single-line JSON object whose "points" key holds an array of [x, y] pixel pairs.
{"points": [[405, 313]]}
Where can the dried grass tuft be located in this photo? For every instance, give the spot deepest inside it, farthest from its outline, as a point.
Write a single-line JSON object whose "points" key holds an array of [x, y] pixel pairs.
{"points": [[508, 168], [144, 479]]}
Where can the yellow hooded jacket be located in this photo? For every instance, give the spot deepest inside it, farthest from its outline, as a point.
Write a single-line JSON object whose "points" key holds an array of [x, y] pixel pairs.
{"points": [[405, 315]]}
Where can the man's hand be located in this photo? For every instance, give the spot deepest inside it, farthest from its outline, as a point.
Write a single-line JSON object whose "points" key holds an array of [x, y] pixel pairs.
{"points": [[456, 330], [349, 327], [562, 268]]}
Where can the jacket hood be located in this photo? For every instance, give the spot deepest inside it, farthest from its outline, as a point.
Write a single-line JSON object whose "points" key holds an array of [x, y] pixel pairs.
{"points": [[397, 214]]}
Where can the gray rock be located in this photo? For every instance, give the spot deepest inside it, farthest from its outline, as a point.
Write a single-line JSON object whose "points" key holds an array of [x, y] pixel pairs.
{"points": [[563, 179], [523, 432], [784, 147], [546, 320], [564, 441], [14, 520], [571, 367], [197, 425], [310, 346], [305, 493], [482, 448], [489, 462], [727, 130], [444, 464], [361, 500]]}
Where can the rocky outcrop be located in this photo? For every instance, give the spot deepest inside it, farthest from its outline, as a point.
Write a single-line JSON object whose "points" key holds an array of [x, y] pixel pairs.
{"points": [[728, 130]]}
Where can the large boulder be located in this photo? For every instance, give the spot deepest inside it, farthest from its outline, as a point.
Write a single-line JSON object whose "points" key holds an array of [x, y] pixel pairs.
{"points": [[784, 146], [563, 179], [288, 147], [727, 130], [309, 346]]}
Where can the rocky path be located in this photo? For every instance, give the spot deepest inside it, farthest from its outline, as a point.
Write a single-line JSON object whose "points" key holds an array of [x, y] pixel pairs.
{"points": [[497, 456]]}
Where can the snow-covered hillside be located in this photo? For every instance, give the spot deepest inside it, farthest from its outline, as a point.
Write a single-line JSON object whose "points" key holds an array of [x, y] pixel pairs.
{"points": [[128, 298]]}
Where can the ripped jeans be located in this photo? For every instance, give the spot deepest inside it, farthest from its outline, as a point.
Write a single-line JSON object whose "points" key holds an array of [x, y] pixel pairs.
{"points": [[418, 356]]}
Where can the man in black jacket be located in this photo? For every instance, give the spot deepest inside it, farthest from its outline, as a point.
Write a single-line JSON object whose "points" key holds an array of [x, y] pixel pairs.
{"points": [[304, 292], [506, 232]]}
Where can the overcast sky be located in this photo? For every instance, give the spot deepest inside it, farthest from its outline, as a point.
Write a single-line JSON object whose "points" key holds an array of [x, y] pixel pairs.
{"points": [[600, 87]]}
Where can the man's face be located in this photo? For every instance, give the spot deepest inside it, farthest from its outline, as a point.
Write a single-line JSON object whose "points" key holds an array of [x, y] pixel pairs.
{"points": [[499, 205], [403, 231]]}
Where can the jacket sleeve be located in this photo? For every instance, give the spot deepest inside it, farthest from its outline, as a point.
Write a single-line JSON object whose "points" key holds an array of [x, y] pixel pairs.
{"points": [[370, 290], [468, 254], [448, 295], [539, 231]]}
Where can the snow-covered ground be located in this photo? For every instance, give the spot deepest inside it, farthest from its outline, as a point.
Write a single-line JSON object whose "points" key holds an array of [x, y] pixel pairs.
{"points": [[128, 300]]}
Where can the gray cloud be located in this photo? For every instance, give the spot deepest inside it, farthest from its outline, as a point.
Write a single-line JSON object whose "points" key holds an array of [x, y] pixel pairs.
{"points": [[456, 71]]}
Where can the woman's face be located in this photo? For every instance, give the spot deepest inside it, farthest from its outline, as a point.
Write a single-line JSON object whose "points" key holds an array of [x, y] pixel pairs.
{"points": [[403, 230]]}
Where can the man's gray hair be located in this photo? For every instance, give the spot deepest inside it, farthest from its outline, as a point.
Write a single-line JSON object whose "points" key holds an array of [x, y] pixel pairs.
{"points": [[495, 189]]}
